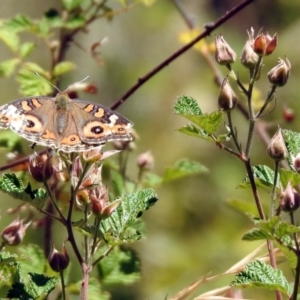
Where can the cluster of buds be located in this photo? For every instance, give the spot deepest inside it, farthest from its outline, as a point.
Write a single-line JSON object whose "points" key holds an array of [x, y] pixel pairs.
{"points": [[255, 47], [91, 191]]}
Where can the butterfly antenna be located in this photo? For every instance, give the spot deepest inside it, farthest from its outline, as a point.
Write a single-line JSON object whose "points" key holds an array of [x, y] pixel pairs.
{"points": [[37, 74], [76, 83]]}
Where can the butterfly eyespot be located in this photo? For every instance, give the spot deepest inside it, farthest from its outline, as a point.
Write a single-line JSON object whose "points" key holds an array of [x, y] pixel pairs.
{"points": [[97, 129], [30, 124], [72, 139]]}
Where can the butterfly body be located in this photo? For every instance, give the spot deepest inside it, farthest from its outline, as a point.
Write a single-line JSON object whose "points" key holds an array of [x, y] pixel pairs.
{"points": [[69, 125]]}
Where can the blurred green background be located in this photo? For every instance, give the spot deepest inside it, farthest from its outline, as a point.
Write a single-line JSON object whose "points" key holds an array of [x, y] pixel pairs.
{"points": [[191, 231]]}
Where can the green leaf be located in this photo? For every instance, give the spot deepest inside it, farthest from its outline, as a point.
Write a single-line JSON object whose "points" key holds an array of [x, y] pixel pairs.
{"points": [[191, 129], [257, 274], [8, 66], [285, 248], [70, 5], [75, 22], [264, 177], [287, 176], [9, 267], [121, 266], [10, 39], [257, 234], [292, 141], [187, 106], [63, 67], [123, 225], [19, 23], [208, 122], [12, 185], [243, 206], [183, 168], [31, 84], [26, 49], [38, 287]]}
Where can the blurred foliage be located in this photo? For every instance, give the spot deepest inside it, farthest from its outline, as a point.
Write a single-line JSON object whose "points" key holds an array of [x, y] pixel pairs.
{"points": [[191, 231]]}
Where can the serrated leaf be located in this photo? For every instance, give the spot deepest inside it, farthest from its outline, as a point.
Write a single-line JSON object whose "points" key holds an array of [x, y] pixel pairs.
{"points": [[264, 177], [123, 225], [26, 49], [10, 39], [292, 141], [257, 274], [8, 66], [191, 129], [12, 185], [187, 106], [209, 122], [30, 83], [183, 168], [257, 234], [70, 5], [19, 23], [63, 67], [290, 255]]}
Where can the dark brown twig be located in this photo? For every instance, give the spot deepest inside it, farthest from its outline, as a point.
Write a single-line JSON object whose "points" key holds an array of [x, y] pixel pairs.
{"points": [[208, 30]]}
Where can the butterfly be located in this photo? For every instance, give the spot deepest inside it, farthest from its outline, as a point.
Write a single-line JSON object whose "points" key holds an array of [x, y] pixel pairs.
{"points": [[68, 125]]}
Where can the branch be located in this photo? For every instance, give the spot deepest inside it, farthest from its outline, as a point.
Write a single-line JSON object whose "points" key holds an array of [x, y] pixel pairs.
{"points": [[208, 30]]}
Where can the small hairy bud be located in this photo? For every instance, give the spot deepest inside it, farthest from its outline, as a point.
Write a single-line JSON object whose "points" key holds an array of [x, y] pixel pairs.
{"points": [[14, 233], [224, 54], [289, 199], [40, 167], [145, 160], [279, 75], [296, 163], [227, 99], [59, 261], [277, 149], [249, 58], [264, 44], [288, 114]]}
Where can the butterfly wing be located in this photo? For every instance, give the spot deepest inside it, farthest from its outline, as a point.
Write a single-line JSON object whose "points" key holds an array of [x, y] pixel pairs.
{"points": [[97, 124]]}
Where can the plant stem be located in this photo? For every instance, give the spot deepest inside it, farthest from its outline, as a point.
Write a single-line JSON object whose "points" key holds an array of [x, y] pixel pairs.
{"points": [[273, 194]]}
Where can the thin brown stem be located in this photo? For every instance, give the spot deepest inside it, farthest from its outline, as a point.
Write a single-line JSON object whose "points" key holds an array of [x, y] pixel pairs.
{"points": [[208, 30]]}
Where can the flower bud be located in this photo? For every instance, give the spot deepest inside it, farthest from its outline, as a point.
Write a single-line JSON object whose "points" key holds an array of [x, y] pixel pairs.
{"points": [[279, 75], [224, 54], [296, 163], [14, 233], [145, 160], [40, 167], [101, 206], [249, 58], [264, 44], [277, 149], [288, 114], [59, 261], [289, 199], [227, 99]]}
